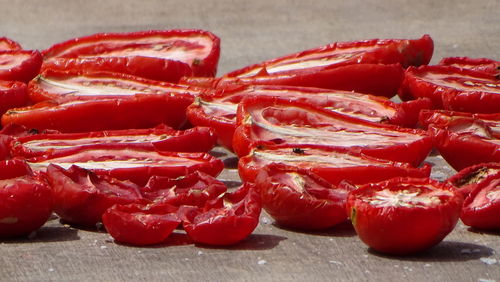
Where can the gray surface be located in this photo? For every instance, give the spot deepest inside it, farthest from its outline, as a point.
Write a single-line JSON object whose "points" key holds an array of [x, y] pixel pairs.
{"points": [[252, 31]]}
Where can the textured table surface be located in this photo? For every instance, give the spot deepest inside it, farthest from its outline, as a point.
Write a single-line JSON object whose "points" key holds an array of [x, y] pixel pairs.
{"points": [[252, 31]]}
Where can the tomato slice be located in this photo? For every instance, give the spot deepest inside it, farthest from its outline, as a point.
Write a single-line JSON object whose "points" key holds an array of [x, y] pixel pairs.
{"points": [[81, 197], [130, 164], [298, 198], [7, 44], [406, 52], [70, 115], [197, 48], [376, 79], [401, 216], [146, 67], [226, 221], [27, 202], [478, 64], [12, 94], [333, 165], [53, 84], [470, 177], [453, 88], [464, 139], [141, 224], [19, 65], [163, 138], [217, 109], [274, 120], [482, 205]]}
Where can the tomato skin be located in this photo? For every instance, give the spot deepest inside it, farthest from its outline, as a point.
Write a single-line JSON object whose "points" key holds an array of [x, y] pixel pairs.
{"points": [[327, 163], [220, 225], [398, 229], [27, 202], [161, 138], [467, 179], [13, 94], [7, 44], [262, 121], [452, 88], [98, 45], [145, 67], [141, 224], [482, 206], [298, 198], [81, 197], [19, 65], [477, 64], [138, 111]]}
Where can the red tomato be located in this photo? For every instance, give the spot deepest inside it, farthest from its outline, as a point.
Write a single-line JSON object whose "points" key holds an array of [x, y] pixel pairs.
{"points": [[453, 88], [333, 165], [19, 65], [482, 206], [298, 198], [197, 48], [8, 44], [402, 216], [141, 224], [470, 177], [13, 94], [81, 197], [266, 121], [227, 221], [478, 64], [26, 202]]}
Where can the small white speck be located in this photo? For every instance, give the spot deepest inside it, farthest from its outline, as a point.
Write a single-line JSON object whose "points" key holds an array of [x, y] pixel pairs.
{"points": [[396, 265], [265, 220], [408, 268], [261, 262], [331, 239], [427, 265], [485, 280], [186, 259], [95, 242], [200, 253], [367, 271], [455, 46], [139, 252], [51, 269], [335, 262], [103, 247], [466, 251], [488, 261], [293, 243], [365, 255]]}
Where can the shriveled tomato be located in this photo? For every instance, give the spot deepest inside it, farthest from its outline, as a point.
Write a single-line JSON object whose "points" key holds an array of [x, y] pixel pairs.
{"points": [[13, 94], [482, 206], [300, 199], [19, 65], [225, 221], [141, 224], [470, 177], [273, 120], [8, 44], [478, 64], [198, 48], [26, 202], [402, 216], [81, 196], [332, 164], [453, 88]]}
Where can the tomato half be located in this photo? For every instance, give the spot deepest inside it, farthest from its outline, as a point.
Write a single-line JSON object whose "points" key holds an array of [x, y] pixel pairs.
{"points": [[7, 44], [13, 94], [19, 65], [478, 64], [402, 216]]}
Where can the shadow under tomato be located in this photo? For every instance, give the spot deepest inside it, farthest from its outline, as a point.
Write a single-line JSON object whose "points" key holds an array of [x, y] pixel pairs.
{"points": [[482, 231], [231, 162], [253, 242], [444, 251], [46, 234], [344, 229], [174, 239]]}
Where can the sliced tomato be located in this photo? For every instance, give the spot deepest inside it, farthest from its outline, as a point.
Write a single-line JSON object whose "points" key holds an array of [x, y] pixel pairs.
{"points": [[482, 205], [130, 164], [162, 138], [402, 216], [141, 224], [7, 44], [453, 88], [70, 115], [217, 109], [52, 84], [332, 164], [478, 64], [274, 120], [298, 198], [470, 177], [197, 48], [13, 94], [19, 65]]}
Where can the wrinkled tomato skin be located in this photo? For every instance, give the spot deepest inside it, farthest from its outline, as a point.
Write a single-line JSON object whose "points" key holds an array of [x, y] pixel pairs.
{"points": [[477, 64], [319, 205], [482, 206], [141, 224], [467, 179], [13, 94], [221, 226], [7, 44], [81, 197], [25, 69], [26, 202], [403, 230]]}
